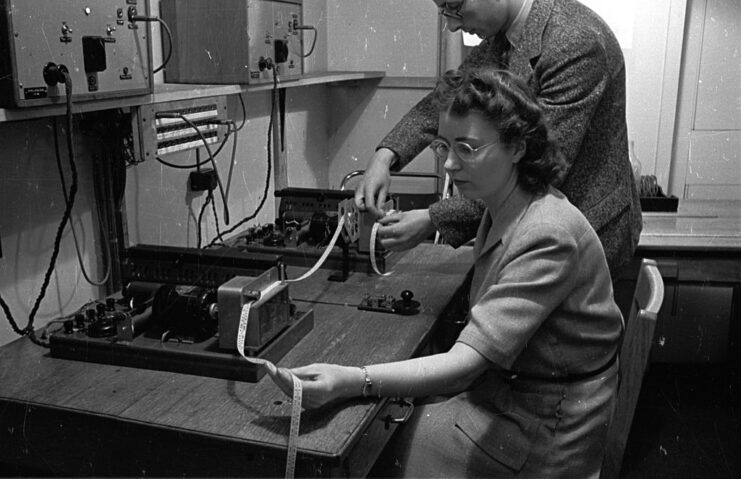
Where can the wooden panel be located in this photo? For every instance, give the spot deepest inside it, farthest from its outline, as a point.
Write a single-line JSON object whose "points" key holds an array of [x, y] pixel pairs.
{"points": [[709, 117], [719, 84]]}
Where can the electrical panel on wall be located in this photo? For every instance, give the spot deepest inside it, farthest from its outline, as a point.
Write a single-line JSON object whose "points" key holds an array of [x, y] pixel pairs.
{"points": [[104, 52], [164, 128], [234, 41]]}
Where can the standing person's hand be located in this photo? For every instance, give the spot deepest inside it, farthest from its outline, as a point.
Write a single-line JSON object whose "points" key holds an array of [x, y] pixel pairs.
{"points": [[404, 230], [371, 193]]}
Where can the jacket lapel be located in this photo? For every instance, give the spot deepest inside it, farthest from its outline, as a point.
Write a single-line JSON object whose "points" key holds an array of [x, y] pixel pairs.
{"points": [[494, 230], [529, 46]]}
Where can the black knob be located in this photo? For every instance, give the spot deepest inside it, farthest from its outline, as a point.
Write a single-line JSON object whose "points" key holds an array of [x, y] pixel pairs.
{"points": [[69, 326], [407, 296]]}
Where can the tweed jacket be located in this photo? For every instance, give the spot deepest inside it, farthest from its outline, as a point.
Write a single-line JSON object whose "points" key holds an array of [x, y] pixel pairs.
{"points": [[573, 62]]}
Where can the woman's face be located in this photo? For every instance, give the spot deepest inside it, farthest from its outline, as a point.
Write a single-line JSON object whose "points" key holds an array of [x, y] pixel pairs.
{"points": [[481, 17], [489, 172]]}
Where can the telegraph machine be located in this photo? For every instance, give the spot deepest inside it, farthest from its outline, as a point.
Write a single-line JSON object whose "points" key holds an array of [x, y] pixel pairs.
{"points": [[180, 310]]}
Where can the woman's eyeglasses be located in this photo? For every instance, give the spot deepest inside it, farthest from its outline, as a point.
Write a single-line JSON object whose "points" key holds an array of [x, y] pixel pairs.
{"points": [[464, 151], [451, 12]]}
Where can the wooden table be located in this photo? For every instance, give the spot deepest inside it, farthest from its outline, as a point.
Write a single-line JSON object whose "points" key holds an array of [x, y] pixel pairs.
{"points": [[80, 419]]}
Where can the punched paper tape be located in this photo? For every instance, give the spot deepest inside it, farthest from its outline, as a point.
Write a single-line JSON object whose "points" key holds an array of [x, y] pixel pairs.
{"points": [[293, 433], [373, 235], [297, 391]]}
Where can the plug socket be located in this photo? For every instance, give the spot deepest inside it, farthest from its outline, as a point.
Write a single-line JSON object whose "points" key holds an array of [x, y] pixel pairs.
{"points": [[204, 180]]}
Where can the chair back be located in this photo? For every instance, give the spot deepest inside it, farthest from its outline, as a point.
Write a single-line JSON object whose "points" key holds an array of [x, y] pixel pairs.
{"points": [[633, 359]]}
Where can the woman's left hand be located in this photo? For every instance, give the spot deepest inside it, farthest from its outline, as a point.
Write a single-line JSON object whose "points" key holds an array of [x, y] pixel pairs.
{"points": [[321, 383]]}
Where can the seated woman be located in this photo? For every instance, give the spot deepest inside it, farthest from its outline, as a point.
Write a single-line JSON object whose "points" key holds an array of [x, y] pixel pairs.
{"points": [[529, 385]]}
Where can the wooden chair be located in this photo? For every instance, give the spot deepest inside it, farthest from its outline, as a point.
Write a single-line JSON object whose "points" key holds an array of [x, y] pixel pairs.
{"points": [[633, 358]]}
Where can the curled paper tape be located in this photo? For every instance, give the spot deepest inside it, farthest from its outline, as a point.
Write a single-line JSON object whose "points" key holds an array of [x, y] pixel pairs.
{"points": [[373, 236], [323, 258]]}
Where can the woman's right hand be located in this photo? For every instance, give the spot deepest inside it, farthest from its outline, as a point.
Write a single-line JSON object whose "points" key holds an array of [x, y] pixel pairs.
{"points": [[372, 192], [321, 383]]}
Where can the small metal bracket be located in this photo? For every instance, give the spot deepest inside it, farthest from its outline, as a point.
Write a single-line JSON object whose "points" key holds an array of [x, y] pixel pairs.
{"points": [[404, 403]]}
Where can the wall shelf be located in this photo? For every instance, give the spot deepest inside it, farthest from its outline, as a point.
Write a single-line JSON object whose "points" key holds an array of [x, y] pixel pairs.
{"points": [[172, 92]]}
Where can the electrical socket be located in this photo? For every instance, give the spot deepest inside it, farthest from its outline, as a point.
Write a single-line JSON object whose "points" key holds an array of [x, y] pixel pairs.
{"points": [[203, 180]]}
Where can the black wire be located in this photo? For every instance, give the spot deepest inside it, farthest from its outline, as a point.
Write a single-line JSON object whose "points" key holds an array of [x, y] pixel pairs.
{"points": [[313, 43], [200, 216], [166, 27], [244, 112], [229, 126], [107, 275], [181, 167], [269, 167], [216, 216], [213, 163], [199, 163], [28, 329]]}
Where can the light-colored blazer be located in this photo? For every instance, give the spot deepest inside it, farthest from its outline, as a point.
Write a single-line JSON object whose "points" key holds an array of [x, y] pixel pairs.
{"points": [[574, 64]]}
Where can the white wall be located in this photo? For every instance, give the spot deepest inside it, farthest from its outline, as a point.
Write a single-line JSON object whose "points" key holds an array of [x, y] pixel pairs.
{"points": [[32, 207]]}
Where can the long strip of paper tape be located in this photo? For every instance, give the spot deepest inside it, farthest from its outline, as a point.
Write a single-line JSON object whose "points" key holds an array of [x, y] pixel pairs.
{"points": [[293, 432]]}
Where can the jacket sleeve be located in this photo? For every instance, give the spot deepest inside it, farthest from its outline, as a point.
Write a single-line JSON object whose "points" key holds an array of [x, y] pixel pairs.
{"points": [[418, 127], [457, 219]]}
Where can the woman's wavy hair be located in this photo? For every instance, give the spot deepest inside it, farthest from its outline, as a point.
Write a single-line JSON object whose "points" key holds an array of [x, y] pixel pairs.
{"points": [[513, 110]]}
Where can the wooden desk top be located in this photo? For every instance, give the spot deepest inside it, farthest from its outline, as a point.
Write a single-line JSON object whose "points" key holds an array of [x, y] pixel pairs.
{"points": [[701, 225], [253, 414]]}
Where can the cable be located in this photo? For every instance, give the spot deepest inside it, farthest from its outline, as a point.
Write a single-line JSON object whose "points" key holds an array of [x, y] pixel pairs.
{"points": [[28, 329], [209, 197], [231, 126], [269, 167], [133, 17], [244, 112], [210, 156], [71, 223], [169, 46], [296, 26], [216, 217], [198, 164]]}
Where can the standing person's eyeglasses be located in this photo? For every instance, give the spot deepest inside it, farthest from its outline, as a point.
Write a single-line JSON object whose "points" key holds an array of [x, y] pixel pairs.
{"points": [[451, 12]]}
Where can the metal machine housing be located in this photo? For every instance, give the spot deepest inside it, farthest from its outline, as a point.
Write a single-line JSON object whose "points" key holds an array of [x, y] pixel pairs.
{"points": [[105, 54], [234, 41]]}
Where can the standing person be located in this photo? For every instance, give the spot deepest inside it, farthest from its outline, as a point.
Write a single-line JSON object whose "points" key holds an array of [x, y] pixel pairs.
{"points": [[530, 381], [573, 62]]}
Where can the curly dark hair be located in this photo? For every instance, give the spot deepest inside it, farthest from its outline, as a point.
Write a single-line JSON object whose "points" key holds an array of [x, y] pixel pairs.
{"points": [[513, 110]]}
